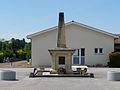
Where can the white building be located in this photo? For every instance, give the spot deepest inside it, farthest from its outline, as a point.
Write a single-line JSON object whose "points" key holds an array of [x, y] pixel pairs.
{"points": [[92, 45]]}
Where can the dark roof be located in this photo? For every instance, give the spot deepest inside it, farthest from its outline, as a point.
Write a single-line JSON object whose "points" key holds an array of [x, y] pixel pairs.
{"points": [[117, 40]]}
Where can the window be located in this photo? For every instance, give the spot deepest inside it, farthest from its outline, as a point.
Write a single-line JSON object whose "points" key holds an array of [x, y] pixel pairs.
{"points": [[98, 50], [61, 60], [82, 51], [76, 57], [79, 56], [76, 53], [76, 60]]}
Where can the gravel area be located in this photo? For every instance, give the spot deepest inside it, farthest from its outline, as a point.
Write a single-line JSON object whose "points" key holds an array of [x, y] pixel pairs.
{"points": [[17, 64], [23, 81]]}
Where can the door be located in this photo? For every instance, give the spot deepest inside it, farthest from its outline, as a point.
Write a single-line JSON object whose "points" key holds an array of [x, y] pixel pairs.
{"points": [[79, 57]]}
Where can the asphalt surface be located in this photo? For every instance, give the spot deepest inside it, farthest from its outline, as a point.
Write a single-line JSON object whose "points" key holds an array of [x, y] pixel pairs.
{"points": [[23, 81]]}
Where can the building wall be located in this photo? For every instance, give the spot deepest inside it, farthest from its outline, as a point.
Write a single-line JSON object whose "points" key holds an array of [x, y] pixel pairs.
{"points": [[40, 46], [76, 37]]}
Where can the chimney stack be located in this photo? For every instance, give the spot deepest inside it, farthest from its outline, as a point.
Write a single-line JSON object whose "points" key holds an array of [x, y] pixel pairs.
{"points": [[61, 41]]}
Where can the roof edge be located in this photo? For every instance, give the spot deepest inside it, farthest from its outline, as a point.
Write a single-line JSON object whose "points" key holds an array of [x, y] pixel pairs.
{"points": [[69, 23], [95, 29]]}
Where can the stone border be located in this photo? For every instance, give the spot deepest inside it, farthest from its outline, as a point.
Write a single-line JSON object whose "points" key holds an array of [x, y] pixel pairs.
{"points": [[7, 75], [113, 76]]}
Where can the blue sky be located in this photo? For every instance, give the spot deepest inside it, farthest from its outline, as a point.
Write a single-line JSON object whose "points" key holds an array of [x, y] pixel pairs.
{"points": [[19, 18]]}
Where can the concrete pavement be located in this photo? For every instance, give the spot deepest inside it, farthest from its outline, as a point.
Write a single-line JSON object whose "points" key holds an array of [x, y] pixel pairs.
{"points": [[100, 81]]}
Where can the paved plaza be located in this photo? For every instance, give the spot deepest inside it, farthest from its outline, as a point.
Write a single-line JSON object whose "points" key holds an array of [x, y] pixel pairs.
{"points": [[23, 81]]}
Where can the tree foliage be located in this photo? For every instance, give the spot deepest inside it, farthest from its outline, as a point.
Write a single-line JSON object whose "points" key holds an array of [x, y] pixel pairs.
{"points": [[27, 50], [15, 48], [114, 59]]}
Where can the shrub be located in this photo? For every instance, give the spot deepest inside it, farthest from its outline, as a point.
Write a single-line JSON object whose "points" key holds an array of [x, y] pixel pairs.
{"points": [[1, 57], [114, 59]]}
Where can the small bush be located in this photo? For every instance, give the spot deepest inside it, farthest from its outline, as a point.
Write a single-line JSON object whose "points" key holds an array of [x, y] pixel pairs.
{"points": [[1, 57], [114, 59]]}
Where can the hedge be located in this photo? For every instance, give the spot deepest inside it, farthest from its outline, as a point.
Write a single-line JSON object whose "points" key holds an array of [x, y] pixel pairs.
{"points": [[114, 58]]}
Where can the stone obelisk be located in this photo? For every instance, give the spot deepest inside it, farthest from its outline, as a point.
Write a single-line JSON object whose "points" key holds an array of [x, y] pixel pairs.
{"points": [[62, 55], [61, 41]]}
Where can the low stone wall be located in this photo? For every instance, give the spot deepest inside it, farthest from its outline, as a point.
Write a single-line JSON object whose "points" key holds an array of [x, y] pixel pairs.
{"points": [[7, 75], [113, 76]]}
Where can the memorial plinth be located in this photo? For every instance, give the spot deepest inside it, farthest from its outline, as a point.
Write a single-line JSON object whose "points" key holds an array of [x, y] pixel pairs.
{"points": [[61, 55]]}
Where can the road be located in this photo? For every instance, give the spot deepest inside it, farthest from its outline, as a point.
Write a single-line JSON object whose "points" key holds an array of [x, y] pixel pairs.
{"points": [[17, 64]]}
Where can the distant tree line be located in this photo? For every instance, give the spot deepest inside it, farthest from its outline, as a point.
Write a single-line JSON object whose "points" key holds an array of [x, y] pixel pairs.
{"points": [[14, 49]]}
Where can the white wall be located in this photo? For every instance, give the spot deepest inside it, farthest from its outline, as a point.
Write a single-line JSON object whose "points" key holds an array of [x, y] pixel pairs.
{"points": [[40, 46], [79, 37], [76, 37]]}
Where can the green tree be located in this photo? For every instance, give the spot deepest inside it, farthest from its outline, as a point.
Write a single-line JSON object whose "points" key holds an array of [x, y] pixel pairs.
{"points": [[15, 48], [1, 57], [27, 50]]}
